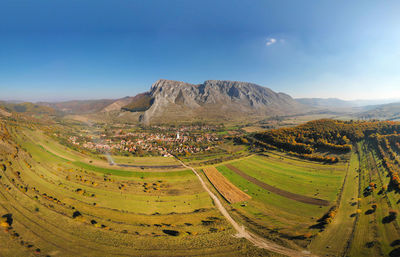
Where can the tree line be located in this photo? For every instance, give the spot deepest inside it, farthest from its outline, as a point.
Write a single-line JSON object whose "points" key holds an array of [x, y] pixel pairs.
{"points": [[315, 140]]}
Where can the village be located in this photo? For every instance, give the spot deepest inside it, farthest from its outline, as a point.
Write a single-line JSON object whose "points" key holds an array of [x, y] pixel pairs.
{"points": [[155, 141]]}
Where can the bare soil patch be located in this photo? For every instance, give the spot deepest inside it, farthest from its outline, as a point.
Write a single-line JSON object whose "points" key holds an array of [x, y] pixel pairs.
{"points": [[229, 191]]}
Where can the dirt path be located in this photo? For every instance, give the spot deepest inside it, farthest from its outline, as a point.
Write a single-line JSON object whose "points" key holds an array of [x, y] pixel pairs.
{"points": [[241, 230], [284, 193], [149, 166]]}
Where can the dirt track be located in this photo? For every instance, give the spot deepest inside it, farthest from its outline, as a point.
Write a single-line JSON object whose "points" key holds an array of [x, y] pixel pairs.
{"points": [[150, 166], [241, 230], [284, 193]]}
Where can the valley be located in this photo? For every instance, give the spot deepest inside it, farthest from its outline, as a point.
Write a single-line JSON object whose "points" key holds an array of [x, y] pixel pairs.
{"points": [[101, 190], [199, 128]]}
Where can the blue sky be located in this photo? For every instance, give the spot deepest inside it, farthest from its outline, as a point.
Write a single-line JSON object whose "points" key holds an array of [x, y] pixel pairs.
{"points": [[60, 50]]}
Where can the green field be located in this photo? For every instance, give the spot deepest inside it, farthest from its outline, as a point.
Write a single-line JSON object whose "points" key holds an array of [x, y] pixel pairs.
{"points": [[122, 211], [66, 202], [145, 160], [278, 213], [373, 236]]}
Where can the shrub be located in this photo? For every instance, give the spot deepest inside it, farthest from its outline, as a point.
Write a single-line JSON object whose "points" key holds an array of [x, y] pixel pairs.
{"points": [[76, 214], [307, 235], [6, 220], [171, 232]]}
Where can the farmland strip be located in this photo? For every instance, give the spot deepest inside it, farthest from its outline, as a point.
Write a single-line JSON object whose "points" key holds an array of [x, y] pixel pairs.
{"points": [[284, 193], [229, 191]]}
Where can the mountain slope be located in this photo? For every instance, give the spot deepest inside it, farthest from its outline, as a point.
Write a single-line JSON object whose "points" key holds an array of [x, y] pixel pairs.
{"points": [[3, 112], [80, 106], [118, 104], [336, 103], [215, 100], [139, 103], [27, 108], [382, 112], [325, 102]]}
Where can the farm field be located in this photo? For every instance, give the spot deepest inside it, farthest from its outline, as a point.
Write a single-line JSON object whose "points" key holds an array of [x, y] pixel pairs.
{"points": [[376, 231], [295, 175], [61, 201], [145, 161], [342, 226], [230, 192], [64, 207], [273, 213], [357, 222], [275, 190]]}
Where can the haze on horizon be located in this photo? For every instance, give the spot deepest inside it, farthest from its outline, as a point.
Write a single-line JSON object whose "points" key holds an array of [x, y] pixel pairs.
{"points": [[52, 51]]}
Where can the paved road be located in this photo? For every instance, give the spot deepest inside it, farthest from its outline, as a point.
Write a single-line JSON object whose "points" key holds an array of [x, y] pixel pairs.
{"points": [[241, 230]]}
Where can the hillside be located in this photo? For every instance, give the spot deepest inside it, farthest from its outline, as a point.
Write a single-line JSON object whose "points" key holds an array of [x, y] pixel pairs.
{"points": [[26, 108], [382, 112], [325, 102], [80, 106], [212, 100], [139, 103], [339, 103], [4, 112], [118, 104]]}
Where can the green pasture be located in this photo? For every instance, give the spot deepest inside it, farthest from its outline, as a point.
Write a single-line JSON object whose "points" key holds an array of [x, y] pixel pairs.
{"points": [[318, 180]]}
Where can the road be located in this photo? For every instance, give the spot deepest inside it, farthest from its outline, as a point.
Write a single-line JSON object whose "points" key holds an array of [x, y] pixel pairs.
{"points": [[241, 230]]}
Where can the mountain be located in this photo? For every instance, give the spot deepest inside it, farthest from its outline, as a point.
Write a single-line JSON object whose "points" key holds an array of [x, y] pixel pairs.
{"points": [[325, 102], [139, 103], [371, 102], [336, 103], [118, 104], [27, 108], [80, 106], [218, 100], [381, 112]]}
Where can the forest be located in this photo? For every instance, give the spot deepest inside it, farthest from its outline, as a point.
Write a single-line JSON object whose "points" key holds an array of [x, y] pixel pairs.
{"points": [[322, 140]]}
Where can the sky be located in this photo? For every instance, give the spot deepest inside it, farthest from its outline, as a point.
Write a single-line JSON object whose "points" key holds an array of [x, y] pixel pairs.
{"points": [[62, 50]]}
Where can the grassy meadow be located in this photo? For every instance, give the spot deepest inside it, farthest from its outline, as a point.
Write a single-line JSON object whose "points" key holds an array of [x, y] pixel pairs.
{"points": [[62, 206], [57, 201]]}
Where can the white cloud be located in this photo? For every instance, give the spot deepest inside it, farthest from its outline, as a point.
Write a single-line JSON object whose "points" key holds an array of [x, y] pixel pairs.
{"points": [[270, 41]]}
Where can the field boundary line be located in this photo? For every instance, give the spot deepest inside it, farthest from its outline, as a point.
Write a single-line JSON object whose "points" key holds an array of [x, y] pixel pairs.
{"points": [[242, 232], [278, 191]]}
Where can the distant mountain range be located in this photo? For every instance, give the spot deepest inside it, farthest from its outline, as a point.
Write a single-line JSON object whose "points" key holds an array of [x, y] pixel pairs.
{"points": [[80, 106], [360, 109], [213, 100], [325, 102], [338, 103], [27, 108], [381, 112]]}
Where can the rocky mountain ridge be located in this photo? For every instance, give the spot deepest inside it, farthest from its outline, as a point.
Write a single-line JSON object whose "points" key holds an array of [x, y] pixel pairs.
{"points": [[215, 99]]}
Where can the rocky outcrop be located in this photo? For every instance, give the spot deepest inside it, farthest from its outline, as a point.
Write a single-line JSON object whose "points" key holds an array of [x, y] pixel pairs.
{"points": [[215, 99]]}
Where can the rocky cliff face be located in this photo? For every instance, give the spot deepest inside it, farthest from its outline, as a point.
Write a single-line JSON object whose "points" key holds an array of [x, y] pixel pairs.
{"points": [[213, 100]]}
